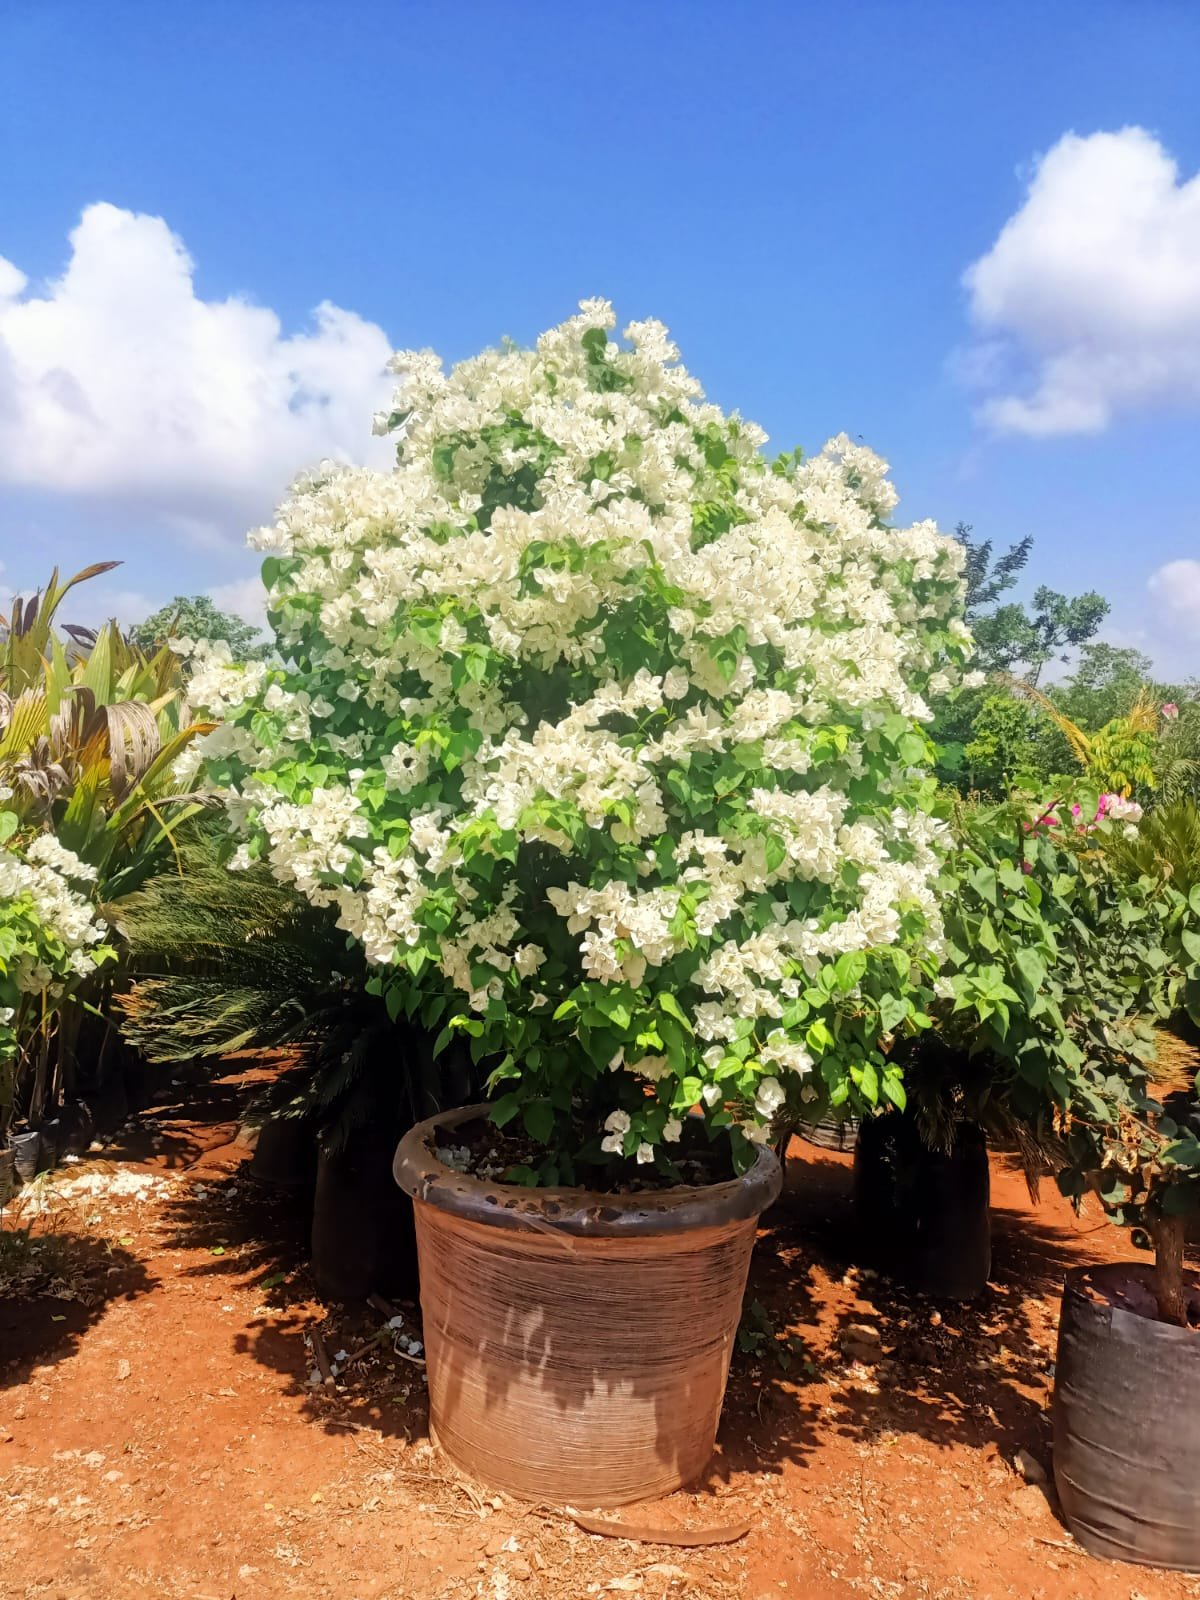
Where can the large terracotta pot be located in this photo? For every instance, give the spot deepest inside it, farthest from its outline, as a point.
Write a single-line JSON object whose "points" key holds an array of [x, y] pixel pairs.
{"points": [[577, 1343]]}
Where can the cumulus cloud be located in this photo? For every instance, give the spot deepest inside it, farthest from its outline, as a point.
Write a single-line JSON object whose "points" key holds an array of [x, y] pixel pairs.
{"points": [[117, 380], [1176, 589], [1088, 303], [245, 598]]}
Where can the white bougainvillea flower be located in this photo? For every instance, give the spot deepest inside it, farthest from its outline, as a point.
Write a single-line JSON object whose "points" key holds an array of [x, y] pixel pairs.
{"points": [[50, 935]]}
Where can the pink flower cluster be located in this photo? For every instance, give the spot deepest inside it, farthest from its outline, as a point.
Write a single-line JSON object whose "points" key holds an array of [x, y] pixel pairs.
{"points": [[1110, 807]]}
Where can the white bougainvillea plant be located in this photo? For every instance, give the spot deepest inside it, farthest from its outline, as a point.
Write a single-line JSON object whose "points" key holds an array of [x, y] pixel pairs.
{"points": [[50, 937], [604, 734]]}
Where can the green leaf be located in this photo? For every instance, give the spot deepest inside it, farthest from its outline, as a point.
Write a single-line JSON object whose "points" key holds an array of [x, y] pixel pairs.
{"points": [[850, 969], [893, 1088], [9, 823], [1186, 1153], [818, 1037], [1031, 967], [523, 1175], [744, 1153], [668, 1003], [505, 1109], [893, 1009], [442, 1040], [538, 1117], [984, 883]]}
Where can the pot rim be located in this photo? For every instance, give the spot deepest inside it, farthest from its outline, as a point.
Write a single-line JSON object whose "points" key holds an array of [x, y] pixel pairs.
{"points": [[576, 1211], [1075, 1294]]}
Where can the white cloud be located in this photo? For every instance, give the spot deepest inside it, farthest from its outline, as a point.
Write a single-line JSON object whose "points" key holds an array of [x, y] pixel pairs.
{"points": [[245, 598], [118, 381], [97, 603], [1088, 303], [1176, 588]]}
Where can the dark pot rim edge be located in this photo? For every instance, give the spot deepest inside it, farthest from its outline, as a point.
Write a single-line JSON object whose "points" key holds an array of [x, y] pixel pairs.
{"points": [[578, 1211], [1073, 1291]]}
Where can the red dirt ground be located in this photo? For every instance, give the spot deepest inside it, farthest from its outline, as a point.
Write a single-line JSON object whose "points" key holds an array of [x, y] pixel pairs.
{"points": [[159, 1435]]}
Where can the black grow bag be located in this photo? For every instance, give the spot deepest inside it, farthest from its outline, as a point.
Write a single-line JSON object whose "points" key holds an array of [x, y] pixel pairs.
{"points": [[51, 1133], [77, 1129], [108, 1105], [1126, 1420], [363, 1238], [285, 1154], [27, 1151], [831, 1134], [922, 1215]]}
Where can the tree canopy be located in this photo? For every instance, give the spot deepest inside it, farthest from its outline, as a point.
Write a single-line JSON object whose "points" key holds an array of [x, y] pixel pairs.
{"points": [[197, 616], [1014, 637]]}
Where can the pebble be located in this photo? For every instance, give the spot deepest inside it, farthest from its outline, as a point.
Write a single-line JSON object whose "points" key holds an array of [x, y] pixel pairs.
{"points": [[861, 1342], [1029, 1501], [1030, 1468]]}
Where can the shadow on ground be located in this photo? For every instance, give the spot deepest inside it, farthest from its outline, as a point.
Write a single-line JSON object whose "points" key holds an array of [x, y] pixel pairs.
{"points": [[976, 1374], [53, 1287], [257, 1236], [193, 1115]]}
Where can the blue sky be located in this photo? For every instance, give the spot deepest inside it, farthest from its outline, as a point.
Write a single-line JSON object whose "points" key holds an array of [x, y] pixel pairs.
{"points": [[797, 190]]}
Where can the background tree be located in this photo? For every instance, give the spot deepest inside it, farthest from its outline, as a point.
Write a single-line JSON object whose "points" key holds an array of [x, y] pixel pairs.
{"points": [[987, 740], [1013, 637], [986, 579], [197, 617], [1107, 682]]}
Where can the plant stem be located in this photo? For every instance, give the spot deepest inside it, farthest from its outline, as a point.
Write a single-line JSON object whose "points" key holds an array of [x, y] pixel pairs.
{"points": [[1169, 1289]]}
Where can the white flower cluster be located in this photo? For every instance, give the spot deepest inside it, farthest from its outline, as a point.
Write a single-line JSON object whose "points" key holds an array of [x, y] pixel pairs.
{"points": [[589, 692], [51, 931]]}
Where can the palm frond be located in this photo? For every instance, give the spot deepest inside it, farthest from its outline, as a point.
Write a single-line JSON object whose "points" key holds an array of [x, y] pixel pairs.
{"points": [[1166, 845]]}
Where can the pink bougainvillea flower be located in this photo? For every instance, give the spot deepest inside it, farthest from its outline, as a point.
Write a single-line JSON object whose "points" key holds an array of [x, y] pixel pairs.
{"points": [[1170, 711]]}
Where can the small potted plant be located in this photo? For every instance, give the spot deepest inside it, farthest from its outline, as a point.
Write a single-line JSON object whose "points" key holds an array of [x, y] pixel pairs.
{"points": [[604, 735], [1126, 1444], [1046, 951], [51, 940]]}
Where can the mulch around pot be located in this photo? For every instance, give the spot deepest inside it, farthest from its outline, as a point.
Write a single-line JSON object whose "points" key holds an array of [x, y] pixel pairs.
{"points": [[161, 1432]]}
